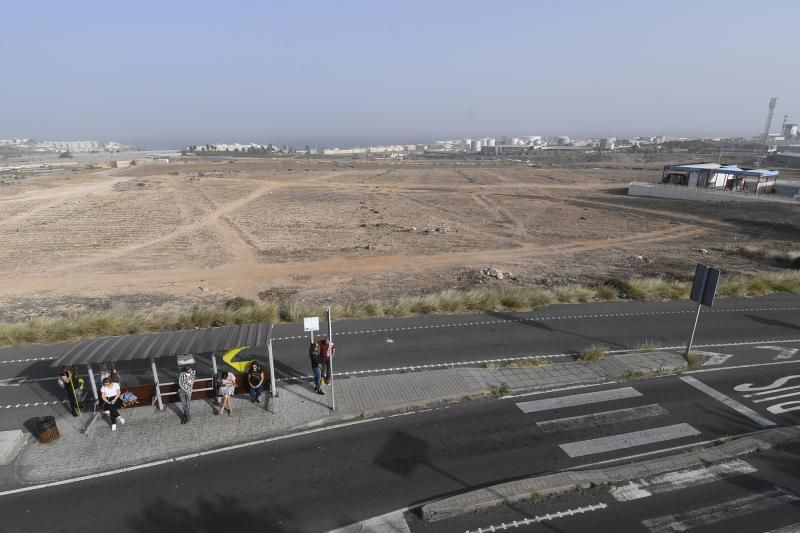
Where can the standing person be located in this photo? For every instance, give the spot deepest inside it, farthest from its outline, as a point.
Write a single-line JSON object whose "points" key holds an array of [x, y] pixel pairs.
{"points": [[109, 393], [185, 386], [227, 389], [316, 365], [66, 380], [326, 351], [255, 378]]}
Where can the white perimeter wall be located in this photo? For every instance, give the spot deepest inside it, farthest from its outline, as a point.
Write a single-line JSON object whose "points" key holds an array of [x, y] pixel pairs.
{"points": [[680, 192]]}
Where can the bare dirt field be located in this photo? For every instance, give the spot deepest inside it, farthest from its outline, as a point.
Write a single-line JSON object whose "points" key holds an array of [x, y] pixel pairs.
{"points": [[203, 232]]}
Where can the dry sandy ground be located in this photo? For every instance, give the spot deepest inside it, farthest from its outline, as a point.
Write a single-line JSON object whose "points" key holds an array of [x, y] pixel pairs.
{"points": [[203, 232]]}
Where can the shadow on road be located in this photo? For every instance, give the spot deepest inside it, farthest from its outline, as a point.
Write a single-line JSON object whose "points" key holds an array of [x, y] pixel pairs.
{"points": [[212, 515], [773, 322], [543, 326]]}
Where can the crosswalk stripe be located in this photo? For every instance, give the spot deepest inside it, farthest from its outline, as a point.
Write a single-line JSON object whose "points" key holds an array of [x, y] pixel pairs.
{"points": [[628, 440], [727, 400], [600, 419], [680, 479], [711, 514], [578, 399]]}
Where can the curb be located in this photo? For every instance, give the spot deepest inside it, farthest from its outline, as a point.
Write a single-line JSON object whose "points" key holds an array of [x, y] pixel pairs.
{"points": [[569, 480]]}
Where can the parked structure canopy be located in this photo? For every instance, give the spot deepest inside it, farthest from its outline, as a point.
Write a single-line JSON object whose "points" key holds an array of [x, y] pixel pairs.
{"points": [[166, 344]]}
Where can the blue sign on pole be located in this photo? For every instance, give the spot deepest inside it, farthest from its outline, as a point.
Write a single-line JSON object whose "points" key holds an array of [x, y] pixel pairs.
{"points": [[704, 289]]}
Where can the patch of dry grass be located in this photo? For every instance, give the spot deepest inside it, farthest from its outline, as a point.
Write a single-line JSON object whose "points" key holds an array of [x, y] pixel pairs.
{"points": [[595, 352]]}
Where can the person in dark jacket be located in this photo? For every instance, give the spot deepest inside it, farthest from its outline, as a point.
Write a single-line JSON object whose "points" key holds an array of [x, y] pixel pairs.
{"points": [[316, 365], [255, 379], [326, 351]]}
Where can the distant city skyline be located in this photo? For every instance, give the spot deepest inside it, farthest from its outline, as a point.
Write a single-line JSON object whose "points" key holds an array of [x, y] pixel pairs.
{"points": [[171, 74]]}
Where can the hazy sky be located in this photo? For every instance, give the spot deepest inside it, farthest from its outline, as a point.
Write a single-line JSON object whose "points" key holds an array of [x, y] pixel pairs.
{"points": [[180, 72]]}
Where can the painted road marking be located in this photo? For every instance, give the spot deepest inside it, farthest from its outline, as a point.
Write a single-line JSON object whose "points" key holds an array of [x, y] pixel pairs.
{"points": [[601, 419], [578, 399], [772, 388], [714, 358], [680, 479], [537, 519], [728, 401], [511, 321], [189, 456], [784, 353], [711, 514], [628, 440]]}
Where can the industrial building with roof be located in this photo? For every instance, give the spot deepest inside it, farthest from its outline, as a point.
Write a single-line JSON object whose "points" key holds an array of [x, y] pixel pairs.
{"points": [[721, 177]]}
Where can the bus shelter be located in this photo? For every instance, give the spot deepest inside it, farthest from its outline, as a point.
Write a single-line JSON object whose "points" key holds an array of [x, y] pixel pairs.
{"points": [[154, 346]]}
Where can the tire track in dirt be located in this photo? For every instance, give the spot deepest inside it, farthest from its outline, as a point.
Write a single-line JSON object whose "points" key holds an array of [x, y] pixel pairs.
{"points": [[491, 206], [183, 230], [241, 278], [54, 197]]}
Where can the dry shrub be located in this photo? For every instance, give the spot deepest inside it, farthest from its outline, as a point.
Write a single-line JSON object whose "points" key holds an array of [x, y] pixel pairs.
{"points": [[595, 352], [652, 289], [574, 293], [539, 298], [530, 363], [606, 292], [513, 298]]}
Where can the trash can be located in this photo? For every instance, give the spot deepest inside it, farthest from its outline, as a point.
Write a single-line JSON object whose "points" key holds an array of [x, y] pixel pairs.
{"points": [[48, 430]]}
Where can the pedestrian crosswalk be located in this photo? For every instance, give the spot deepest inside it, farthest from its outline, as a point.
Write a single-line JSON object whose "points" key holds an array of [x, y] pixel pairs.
{"points": [[628, 437]]}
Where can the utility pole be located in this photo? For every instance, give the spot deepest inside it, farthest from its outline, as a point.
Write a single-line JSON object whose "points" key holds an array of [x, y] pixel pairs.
{"points": [[771, 112]]}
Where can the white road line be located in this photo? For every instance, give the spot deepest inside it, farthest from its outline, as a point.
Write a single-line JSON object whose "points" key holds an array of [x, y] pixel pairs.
{"points": [[736, 367], [728, 401], [773, 391], [680, 479], [628, 440], [185, 457], [778, 397], [600, 419], [711, 514], [536, 519], [394, 522], [578, 399]]}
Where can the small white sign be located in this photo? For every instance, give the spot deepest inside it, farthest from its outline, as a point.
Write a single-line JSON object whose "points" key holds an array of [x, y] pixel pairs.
{"points": [[311, 323]]}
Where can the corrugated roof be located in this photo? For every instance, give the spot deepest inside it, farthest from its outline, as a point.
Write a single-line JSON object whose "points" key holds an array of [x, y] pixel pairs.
{"points": [[166, 344], [726, 169]]}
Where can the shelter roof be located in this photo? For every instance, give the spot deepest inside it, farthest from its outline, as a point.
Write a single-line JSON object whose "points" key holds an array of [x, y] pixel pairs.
{"points": [[726, 169], [166, 344]]}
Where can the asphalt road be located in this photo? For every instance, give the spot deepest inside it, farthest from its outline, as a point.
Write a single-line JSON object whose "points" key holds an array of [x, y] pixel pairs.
{"points": [[27, 375], [332, 478]]}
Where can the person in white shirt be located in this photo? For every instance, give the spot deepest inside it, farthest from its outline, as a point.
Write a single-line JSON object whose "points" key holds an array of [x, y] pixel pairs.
{"points": [[109, 393]]}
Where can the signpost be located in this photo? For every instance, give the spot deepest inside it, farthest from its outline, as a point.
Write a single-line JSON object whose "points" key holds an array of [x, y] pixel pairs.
{"points": [[704, 289], [331, 351]]}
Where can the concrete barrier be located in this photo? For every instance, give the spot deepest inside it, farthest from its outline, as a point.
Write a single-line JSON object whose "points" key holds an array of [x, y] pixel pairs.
{"points": [[11, 442]]}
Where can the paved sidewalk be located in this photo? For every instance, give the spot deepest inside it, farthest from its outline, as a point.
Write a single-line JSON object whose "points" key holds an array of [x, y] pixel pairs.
{"points": [[151, 435]]}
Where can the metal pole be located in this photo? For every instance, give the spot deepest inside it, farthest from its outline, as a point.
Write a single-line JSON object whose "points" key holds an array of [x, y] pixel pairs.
{"points": [[694, 327], [158, 386], [91, 380], [214, 376], [271, 365], [77, 400], [330, 355]]}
